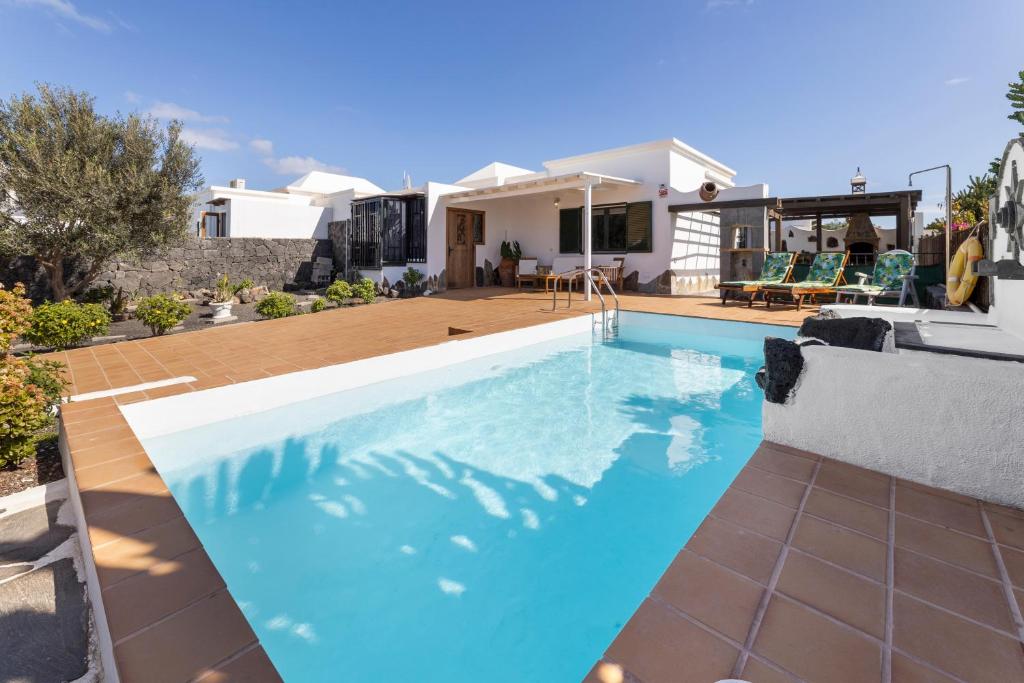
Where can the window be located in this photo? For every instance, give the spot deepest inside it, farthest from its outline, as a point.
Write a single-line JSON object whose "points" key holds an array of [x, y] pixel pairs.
{"points": [[478, 228], [388, 231], [615, 229], [832, 242], [212, 224]]}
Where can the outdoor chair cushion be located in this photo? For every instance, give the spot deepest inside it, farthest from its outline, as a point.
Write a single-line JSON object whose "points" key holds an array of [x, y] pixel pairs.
{"points": [[803, 284], [774, 270], [890, 269], [826, 267]]}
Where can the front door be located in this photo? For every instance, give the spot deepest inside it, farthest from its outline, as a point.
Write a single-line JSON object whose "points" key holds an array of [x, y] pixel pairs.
{"points": [[460, 260]]}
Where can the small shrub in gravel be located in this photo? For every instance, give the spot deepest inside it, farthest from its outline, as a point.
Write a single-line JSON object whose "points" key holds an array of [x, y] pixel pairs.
{"points": [[276, 305], [318, 305], [161, 313], [366, 290], [29, 390], [339, 292], [66, 324]]}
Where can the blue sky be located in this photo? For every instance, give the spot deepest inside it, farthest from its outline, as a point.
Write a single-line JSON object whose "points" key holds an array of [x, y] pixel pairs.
{"points": [[795, 94]]}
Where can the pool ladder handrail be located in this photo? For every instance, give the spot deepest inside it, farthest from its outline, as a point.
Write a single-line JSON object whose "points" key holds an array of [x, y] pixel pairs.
{"points": [[588, 273]]}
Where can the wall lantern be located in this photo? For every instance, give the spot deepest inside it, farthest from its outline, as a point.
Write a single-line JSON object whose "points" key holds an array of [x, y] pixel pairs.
{"points": [[662, 190], [556, 202]]}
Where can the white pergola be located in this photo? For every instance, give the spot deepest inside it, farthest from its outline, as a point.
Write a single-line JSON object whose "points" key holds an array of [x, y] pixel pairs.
{"points": [[537, 184]]}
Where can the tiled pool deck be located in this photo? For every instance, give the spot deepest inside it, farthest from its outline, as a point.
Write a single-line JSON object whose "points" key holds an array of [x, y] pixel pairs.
{"points": [[807, 567]]}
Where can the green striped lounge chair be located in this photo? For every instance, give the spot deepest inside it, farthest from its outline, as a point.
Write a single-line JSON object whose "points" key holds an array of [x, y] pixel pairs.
{"points": [[777, 268], [825, 275], [893, 276]]}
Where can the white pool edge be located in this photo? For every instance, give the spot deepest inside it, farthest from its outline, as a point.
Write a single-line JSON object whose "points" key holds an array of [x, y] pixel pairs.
{"points": [[161, 416]]}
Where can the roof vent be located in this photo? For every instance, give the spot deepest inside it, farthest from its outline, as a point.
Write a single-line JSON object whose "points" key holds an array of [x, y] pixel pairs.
{"points": [[238, 183]]}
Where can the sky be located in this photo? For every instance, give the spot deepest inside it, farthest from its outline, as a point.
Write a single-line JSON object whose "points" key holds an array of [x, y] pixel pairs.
{"points": [[796, 94]]}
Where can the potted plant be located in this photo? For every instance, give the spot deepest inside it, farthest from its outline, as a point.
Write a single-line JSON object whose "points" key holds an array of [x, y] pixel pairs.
{"points": [[510, 255], [223, 298], [412, 278]]}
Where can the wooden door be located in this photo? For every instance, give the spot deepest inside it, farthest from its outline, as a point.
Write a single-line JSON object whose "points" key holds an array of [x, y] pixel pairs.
{"points": [[460, 262]]}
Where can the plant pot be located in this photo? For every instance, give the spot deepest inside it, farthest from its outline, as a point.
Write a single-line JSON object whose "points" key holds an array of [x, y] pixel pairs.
{"points": [[507, 272], [221, 309]]}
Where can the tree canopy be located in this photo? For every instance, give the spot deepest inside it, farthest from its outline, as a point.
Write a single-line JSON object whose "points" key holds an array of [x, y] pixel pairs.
{"points": [[78, 189]]}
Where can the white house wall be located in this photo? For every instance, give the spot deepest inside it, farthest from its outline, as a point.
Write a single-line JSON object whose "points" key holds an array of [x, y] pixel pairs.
{"points": [[272, 218]]}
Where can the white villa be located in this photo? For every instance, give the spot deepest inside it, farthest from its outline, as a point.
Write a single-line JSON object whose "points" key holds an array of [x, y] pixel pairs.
{"points": [[449, 231]]}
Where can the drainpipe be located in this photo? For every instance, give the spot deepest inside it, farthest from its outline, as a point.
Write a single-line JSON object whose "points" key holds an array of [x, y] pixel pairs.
{"points": [[949, 208]]}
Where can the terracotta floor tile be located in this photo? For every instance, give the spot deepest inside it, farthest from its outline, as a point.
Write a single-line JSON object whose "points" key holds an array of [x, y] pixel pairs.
{"points": [[906, 670], [186, 645], [768, 457], [960, 549], [841, 546], [1014, 561], [850, 482], [1004, 510], [748, 553], [1008, 530], [955, 589], [771, 486], [159, 592], [848, 512], [757, 671], [943, 493], [845, 596], [968, 651], [849, 468], [793, 451], [816, 648], [113, 470], [710, 594], [97, 501], [755, 513], [130, 555], [660, 646], [940, 510], [131, 518], [253, 666], [106, 452]]}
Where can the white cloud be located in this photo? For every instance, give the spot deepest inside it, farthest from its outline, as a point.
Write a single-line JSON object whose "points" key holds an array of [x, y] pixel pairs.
{"points": [[209, 138], [951, 82], [296, 165], [262, 146], [132, 97], [66, 10], [170, 110]]}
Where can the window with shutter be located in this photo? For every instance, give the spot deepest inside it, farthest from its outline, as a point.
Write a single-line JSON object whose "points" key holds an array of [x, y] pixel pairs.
{"points": [[638, 226], [570, 231]]}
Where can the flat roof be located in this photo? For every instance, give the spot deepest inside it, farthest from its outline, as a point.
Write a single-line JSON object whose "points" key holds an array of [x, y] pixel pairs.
{"points": [[542, 184]]}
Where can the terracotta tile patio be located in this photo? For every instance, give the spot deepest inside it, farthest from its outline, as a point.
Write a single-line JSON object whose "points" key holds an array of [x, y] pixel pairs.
{"points": [[806, 569], [861, 577]]}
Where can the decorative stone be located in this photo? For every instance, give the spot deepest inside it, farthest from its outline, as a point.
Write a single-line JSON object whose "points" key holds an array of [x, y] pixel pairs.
{"points": [[488, 273]]}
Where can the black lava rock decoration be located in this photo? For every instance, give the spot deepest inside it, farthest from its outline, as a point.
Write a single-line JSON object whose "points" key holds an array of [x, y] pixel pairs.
{"points": [[866, 334], [782, 366]]}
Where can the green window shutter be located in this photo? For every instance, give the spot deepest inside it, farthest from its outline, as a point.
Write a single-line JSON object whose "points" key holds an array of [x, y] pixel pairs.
{"points": [[638, 226], [570, 231]]}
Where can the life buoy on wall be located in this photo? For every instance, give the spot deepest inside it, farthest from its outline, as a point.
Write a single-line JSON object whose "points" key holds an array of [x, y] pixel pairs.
{"points": [[962, 278]]}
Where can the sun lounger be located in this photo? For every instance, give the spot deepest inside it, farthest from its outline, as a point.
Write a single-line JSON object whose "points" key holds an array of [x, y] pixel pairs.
{"points": [[777, 268], [893, 275], [825, 275]]}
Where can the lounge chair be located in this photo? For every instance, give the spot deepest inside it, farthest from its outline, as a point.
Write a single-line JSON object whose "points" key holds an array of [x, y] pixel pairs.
{"points": [[560, 265], [825, 275], [893, 276], [526, 271], [777, 268]]}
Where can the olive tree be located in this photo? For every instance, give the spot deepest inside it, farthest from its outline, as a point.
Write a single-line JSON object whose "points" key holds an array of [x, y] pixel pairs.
{"points": [[78, 189]]}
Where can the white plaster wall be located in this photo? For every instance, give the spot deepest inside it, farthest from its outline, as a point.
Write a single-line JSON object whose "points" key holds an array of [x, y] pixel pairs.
{"points": [[273, 218], [940, 420]]}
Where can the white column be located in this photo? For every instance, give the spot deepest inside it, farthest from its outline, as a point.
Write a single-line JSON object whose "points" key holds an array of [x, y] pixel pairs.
{"points": [[588, 257]]}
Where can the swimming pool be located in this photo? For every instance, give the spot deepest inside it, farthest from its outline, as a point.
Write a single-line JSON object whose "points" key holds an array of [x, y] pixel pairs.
{"points": [[496, 519]]}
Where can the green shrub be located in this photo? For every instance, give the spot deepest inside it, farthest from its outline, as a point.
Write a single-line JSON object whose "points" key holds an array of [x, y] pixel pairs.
{"points": [[247, 283], [276, 305], [48, 376], [339, 291], [23, 411], [318, 305], [15, 314], [366, 290], [98, 295], [412, 277], [161, 312], [66, 324]]}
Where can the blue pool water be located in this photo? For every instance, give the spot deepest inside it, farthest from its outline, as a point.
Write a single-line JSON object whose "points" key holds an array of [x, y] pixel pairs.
{"points": [[498, 520]]}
